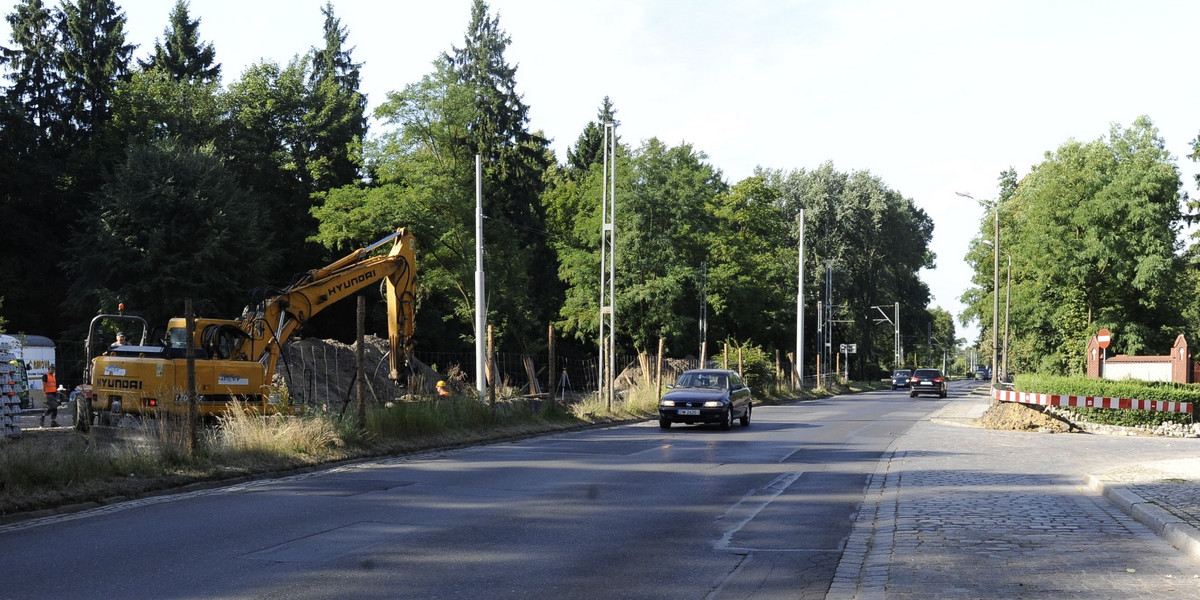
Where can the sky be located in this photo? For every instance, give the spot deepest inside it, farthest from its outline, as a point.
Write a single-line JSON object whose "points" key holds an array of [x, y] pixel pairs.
{"points": [[934, 97]]}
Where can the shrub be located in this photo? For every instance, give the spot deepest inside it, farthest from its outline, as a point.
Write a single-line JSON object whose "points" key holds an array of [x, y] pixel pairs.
{"points": [[1079, 385]]}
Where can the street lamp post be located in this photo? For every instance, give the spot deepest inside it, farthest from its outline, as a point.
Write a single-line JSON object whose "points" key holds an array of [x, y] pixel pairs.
{"points": [[1007, 304], [995, 206]]}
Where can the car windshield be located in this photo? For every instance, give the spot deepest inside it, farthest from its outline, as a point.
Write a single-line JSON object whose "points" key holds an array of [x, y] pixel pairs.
{"points": [[902, 374], [715, 381], [928, 373]]}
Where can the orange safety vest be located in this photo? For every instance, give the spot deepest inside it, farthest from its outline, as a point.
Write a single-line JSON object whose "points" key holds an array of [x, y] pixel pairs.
{"points": [[50, 384]]}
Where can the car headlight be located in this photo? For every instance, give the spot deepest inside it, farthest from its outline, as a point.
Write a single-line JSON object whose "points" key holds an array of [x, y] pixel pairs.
{"points": [[668, 403], [712, 404]]}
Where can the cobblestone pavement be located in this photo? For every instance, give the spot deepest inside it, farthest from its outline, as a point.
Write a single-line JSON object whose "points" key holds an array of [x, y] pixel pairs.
{"points": [[963, 512]]}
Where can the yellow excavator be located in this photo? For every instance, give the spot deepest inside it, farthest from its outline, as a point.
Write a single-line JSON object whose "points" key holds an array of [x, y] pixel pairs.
{"points": [[235, 358]]}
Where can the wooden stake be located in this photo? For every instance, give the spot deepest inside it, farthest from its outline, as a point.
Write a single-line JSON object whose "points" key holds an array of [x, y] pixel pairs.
{"points": [[360, 398], [491, 358], [658, 370], [551, 371], [193, 414]]}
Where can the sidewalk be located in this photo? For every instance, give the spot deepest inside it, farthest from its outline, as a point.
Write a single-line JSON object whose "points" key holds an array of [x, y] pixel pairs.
{"points": [[1164, 494]]}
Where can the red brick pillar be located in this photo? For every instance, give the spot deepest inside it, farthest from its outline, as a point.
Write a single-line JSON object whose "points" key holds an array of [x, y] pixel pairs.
{"points": [[1093, 358], [1181, 361]]}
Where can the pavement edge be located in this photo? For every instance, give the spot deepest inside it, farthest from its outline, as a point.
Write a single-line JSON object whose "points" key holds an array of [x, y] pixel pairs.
{"points": [[1170, 528]]}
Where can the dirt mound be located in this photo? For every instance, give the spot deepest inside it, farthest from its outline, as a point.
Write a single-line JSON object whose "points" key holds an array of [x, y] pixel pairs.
{"points": [[322, 373], [1010, 416]]}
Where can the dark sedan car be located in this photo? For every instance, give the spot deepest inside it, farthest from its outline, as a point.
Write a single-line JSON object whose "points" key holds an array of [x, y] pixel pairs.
{"points": [[900, 379], [706, 396], [927, 381]]}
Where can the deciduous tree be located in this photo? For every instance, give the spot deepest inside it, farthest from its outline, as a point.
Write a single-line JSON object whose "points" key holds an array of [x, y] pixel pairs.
{"points": [[1093, 235]]}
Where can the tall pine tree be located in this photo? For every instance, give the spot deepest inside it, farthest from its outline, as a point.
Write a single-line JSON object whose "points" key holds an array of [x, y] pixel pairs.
{"points": [[181, 53], [336, 119], [95, 57], [515, 160], [589, 148], [33, 62]]}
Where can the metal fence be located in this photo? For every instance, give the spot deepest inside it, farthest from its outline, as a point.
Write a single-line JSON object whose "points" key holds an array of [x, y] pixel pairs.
{"points": [[317, 371]]}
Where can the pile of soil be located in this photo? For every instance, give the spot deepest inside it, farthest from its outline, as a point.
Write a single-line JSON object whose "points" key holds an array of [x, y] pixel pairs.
{"points": [[1010, 416], [322, 373]]}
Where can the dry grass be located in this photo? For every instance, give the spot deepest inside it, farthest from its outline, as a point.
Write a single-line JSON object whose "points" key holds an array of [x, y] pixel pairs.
{"points": [[240, 431]]}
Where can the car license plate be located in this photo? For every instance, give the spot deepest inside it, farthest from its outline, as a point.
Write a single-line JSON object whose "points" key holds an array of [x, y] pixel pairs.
{"points": [[689, 412]]}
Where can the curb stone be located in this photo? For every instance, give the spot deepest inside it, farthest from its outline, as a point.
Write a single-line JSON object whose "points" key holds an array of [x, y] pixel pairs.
{"points": [[1170, 528]]}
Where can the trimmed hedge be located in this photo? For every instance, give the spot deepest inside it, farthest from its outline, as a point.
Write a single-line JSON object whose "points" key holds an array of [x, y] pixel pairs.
{"points": [[1078, 385]]}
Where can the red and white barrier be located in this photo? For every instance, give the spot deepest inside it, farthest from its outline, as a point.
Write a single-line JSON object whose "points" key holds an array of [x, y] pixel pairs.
{"points": [[1090, 401]]}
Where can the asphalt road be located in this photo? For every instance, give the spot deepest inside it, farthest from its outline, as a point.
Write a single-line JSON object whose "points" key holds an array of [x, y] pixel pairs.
{"points": [[622, 512], [766, 511]]}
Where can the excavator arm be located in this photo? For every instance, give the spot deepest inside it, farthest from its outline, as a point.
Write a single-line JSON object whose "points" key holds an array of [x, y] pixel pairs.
{"points": [[269, 325]]}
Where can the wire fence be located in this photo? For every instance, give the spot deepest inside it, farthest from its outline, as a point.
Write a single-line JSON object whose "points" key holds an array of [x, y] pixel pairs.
{"points": [[317, 372]]}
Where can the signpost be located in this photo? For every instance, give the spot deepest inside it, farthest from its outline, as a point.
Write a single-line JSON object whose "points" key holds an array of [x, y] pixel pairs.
{"points": [[1104, 338], [847, 350]]}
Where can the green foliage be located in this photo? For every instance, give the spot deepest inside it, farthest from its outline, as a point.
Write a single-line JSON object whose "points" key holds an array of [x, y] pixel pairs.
{"points": [[95, 58], [758, 366], [573, 220], [419, 178], [423, 169], [170, 224], [751, 277], [34, 62], [336, 119], [1078, 385], [181, 53], [663, 242], [514, 162], [1092, 232], [877, 242], [153, 105], [268, 142]]}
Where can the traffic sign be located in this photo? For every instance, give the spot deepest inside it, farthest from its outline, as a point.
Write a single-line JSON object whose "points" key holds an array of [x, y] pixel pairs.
{"points": [[1104, 337], [849, 348]]}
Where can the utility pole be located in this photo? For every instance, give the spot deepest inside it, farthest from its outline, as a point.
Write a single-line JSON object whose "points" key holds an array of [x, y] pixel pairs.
{"points": [[608, 260], [995, 244], [828, 350], [1007, 301], [703, 307], [799, 364], [895, 321], [480, 308]]}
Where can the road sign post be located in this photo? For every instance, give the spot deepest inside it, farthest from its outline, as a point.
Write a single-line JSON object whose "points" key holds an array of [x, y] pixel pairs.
{"points": [[847, 350], [1104, 338]]}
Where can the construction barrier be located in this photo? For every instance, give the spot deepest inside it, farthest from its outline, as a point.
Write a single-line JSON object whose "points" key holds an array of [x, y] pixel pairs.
{"points": [[1090, 401]]}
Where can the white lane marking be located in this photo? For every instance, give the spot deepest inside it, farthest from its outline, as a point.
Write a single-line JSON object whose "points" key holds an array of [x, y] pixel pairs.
{"points": [[750, 505]]}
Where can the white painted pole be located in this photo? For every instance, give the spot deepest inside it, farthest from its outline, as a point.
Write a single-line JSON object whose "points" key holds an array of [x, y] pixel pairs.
{"points": [[480, 308], [800, 311], [612, 267], [899, 350], [605, 228]]}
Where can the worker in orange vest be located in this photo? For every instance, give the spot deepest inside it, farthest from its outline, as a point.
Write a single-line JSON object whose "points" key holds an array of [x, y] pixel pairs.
{"points": [[50, 387], [441, 389]]}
